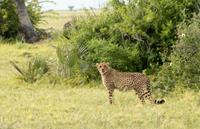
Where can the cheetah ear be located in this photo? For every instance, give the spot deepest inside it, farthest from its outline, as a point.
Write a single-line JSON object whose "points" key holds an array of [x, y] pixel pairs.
{"points": [[97, 64], [108, 63]]}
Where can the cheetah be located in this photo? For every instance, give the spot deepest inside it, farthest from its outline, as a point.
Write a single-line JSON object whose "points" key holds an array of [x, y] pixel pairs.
{"points": [[123, 81]]}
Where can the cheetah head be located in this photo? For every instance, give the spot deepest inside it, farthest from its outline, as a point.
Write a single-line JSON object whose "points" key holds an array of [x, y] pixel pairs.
{"points": [[103, 67]]}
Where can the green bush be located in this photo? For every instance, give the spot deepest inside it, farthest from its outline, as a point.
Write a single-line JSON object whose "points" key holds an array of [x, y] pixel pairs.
{"points": [[33, 70], [184, 66], [9, 22], [132, 36], [126, 59]]}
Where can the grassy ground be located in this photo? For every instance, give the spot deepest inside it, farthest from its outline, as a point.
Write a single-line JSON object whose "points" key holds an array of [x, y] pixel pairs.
{"points": [[45, 106], [83, 108]]}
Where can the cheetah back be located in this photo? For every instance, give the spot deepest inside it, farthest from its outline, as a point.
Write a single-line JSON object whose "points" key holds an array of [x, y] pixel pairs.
{"points": [[128, 81]]}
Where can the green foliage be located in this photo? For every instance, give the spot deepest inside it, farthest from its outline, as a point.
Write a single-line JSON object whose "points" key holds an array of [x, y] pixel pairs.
{"points": [[33, 70], [9, 22], [35, 11], [132, 36], [121, 58], [70, 66], [184, 66]]}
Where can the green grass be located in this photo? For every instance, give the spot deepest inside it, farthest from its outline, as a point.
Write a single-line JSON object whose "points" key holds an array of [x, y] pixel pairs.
{"points": [[45, 106]]}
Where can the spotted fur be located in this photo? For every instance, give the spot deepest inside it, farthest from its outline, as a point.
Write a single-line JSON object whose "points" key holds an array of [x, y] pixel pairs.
{"points": [[123, 81]]}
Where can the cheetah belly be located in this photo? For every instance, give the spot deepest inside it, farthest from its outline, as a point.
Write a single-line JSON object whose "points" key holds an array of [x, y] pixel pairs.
{"points": [[124, 85]]}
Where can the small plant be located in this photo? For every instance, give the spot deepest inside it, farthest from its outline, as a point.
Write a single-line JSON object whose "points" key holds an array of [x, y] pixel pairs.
{"points": [[67, 59], [33, 70]]}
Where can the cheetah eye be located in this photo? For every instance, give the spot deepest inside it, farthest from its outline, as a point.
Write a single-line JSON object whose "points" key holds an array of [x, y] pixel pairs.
{"points": [[100, 66]]}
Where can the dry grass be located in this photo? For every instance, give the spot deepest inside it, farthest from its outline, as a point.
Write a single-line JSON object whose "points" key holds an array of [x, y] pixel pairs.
{"points": [[57, 19], [83, 108]]}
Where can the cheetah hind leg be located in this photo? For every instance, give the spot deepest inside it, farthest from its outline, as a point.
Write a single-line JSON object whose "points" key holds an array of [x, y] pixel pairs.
{"points": [[142, 100], [146, 94], [141, 97]]}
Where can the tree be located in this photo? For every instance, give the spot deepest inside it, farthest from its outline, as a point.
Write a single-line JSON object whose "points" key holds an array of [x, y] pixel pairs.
{"points": [[27, 28], [71, 7]]}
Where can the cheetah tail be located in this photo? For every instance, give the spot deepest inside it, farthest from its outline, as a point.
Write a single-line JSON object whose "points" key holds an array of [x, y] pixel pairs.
{"points": [[159, 101]]}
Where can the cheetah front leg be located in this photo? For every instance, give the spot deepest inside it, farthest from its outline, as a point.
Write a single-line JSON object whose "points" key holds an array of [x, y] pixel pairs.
{"points": [[110, 95]]}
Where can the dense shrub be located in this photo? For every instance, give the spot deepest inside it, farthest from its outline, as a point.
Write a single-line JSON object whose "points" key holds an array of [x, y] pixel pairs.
{"points": [[9, 23], [184, 66], [123, 58], [132, 35]]}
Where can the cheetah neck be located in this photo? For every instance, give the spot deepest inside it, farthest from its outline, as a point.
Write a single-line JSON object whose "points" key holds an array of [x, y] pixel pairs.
{"points": [[106, 73]]}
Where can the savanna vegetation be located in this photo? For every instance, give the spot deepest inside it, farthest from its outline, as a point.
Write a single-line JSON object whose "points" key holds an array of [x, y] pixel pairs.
{"points": [[53, 83]]}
